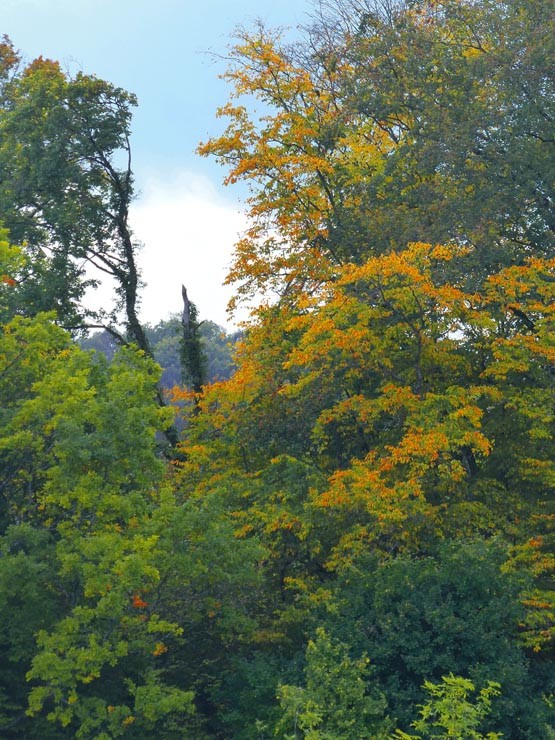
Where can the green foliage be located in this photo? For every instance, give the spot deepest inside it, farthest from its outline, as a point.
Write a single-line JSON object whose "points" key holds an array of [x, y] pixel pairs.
{"points": [[193, 358], [66, 188], [12, 265], [334, 703], [455, 611], [81, 466], [29, 602], [449, 709]]}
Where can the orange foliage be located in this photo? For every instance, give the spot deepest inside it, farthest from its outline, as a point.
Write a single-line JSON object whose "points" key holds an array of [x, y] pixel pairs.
{"points": [[138, 602]]}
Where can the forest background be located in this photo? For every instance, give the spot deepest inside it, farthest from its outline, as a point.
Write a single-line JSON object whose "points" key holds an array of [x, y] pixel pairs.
{"points": [[350, 535]]}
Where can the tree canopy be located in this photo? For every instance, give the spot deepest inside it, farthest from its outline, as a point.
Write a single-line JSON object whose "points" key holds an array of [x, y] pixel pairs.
{"points": [[355, 535]]}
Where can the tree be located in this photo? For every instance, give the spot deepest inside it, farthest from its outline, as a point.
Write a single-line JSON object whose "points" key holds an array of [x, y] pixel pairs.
{"points": [[117, 593], [388, 124], [394, 390], [450, 710], [469, 87], [456, 610], [193, 358], [334, 703], [80, 486], [81, 474], [66, 188], [387, 132]]}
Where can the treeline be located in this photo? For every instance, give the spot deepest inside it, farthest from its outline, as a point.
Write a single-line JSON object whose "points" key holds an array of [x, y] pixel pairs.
{"points": [[165, 340], [353, 535]]}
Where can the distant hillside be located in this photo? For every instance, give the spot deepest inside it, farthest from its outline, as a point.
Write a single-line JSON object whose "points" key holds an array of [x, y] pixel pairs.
{"points": [[165, 338]]}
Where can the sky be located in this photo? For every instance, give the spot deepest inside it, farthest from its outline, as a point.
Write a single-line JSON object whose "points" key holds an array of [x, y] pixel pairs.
{"points": [[169, 53]]}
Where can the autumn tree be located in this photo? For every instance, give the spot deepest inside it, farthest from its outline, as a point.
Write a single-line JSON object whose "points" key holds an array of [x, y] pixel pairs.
{"points": [[395, 386], [391, 123]]}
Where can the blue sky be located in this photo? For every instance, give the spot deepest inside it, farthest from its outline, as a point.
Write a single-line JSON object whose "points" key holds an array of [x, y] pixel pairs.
{"points": [[165, 53]]}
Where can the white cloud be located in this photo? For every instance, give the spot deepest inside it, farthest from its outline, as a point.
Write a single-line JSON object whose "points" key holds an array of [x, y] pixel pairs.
{"points": [[188, 231]]}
